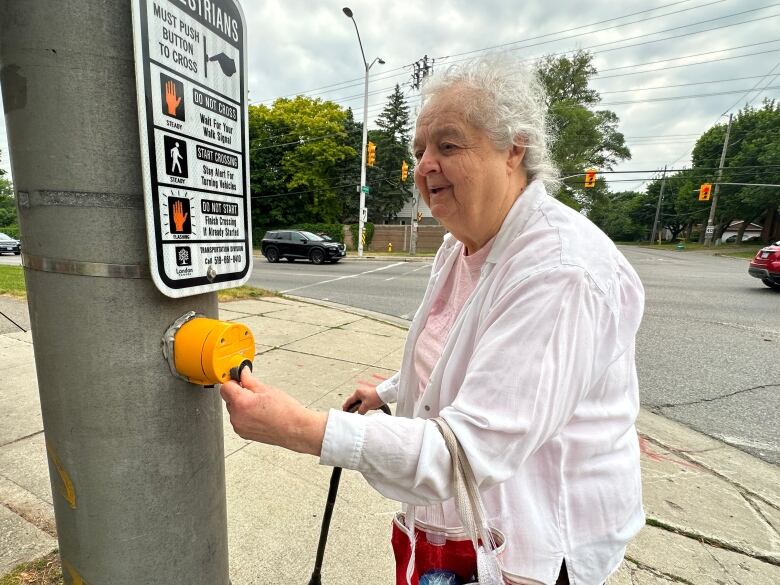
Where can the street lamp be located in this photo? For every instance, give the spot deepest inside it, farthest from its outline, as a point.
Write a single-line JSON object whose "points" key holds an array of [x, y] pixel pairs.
{"points": [[363, 212]]}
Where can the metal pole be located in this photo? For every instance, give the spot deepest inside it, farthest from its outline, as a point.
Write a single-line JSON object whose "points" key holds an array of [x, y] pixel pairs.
{"points": [[658, 209], [362, 214], [413, 235], [412, 205], [363, 162], [135, 456], [709, 232]]}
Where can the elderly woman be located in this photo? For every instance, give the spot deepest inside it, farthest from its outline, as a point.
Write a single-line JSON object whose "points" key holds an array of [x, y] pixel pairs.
{"points": [[524, 344]]}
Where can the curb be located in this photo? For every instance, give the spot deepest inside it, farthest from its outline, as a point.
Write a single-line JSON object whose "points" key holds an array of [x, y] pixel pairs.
{"points": [[260, 257], [381, 317]]}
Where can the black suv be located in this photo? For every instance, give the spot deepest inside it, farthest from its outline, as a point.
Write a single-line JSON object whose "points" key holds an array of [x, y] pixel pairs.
{"points": [[296, 244]]}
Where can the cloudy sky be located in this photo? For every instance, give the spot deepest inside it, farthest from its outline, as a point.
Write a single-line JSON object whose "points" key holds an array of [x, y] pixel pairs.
{"points": [[669, 69]]}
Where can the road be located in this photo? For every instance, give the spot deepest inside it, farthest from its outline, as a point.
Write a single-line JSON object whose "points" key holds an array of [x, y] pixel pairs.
{"points": [[707, 351], [389, 287], [708, 347]]}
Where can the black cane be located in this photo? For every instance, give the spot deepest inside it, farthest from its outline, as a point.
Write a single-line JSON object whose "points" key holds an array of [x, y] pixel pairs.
{"points": [[333, 489]]}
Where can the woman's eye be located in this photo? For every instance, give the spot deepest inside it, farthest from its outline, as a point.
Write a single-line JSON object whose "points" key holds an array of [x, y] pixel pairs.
{"points": [[418, 154], [447, 147]]}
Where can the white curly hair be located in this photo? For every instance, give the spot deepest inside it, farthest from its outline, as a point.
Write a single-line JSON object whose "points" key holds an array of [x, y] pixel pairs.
{"points": [[506, 99]]}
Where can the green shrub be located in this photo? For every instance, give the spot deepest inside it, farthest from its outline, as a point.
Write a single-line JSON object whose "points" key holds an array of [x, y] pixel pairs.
{"points": [[10, 230], [334, 230], [369, 230]]}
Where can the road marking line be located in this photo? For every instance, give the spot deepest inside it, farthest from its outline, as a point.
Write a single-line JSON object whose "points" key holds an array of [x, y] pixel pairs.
{"points": [[343, 277], [405, 273]]}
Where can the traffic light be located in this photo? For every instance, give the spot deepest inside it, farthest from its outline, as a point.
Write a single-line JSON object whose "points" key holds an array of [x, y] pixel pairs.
{"points": [[404, 171], [371, 154], [590, 178], [704, 192]]}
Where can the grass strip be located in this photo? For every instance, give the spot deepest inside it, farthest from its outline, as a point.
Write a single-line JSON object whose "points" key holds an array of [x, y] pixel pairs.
{"points": [[12, 281], [43, 571], [12, 284]]}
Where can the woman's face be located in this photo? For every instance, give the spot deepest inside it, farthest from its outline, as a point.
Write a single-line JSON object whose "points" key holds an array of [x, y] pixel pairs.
{"points": [[468, 184]]}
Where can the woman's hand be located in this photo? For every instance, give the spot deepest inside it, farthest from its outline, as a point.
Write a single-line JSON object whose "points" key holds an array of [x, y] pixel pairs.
{"points": [[259, 412], [367, 395]]}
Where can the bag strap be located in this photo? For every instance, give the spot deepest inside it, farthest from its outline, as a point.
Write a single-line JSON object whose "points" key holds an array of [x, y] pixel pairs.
{"points": [[467, 498]]}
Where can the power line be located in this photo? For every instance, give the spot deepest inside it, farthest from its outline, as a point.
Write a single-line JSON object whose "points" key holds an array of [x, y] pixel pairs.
{"points": [[753, 88], [599, 77], [732, 106], [358, 80], [635, 89], [661, 135], [303, 140], [679, 27], [613, 42], [585, 26], [656, 33], [682, 97], [333, 85]]}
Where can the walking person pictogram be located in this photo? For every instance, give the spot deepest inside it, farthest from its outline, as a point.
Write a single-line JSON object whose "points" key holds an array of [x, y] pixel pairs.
{"points": [[175, 156]]}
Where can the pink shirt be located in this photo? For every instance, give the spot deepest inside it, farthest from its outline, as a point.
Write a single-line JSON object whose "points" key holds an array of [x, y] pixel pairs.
{"points": [[444, 311]]}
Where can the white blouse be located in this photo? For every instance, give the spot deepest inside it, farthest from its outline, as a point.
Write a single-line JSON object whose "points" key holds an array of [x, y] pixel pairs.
{"points": [[537, 379]]}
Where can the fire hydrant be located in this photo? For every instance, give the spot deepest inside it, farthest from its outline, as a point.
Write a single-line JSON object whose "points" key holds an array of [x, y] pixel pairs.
{"points": [[389, 246]]}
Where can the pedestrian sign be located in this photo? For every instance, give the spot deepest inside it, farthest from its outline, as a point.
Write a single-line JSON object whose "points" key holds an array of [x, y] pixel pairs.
{"points": [[190, 62]]}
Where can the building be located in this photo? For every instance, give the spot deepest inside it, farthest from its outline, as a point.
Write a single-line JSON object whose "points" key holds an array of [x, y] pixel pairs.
{"points": [[752, 232], [408, 211]]}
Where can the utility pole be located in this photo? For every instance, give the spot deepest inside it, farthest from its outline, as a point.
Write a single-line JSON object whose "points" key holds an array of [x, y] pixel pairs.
{"points": [[658, 210], [711, 220], [422, 68], [136, 457]]}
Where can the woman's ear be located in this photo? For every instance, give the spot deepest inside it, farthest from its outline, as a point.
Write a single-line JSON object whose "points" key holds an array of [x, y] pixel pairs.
{"points": [[516, 155]]}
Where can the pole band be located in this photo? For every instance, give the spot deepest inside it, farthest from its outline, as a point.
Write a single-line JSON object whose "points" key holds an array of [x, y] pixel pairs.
{"points": [[79, 268]]}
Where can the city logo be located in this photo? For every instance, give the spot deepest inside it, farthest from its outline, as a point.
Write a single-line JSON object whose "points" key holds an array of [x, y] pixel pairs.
{"points": [[183, 256]]}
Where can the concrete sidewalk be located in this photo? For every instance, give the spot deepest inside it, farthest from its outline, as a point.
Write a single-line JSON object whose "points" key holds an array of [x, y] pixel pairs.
{"points": [[713, 511]]}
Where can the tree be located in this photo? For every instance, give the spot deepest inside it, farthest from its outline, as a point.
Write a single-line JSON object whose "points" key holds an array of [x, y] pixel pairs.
{"points": [[388, 194], [7, 201], [752, 156], [615, 214], [351, 177], [584, 136], [297, 151], [680, 208]]}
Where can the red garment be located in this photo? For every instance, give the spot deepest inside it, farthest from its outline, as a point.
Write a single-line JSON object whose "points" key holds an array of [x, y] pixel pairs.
{"points": [[457, 556]]}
